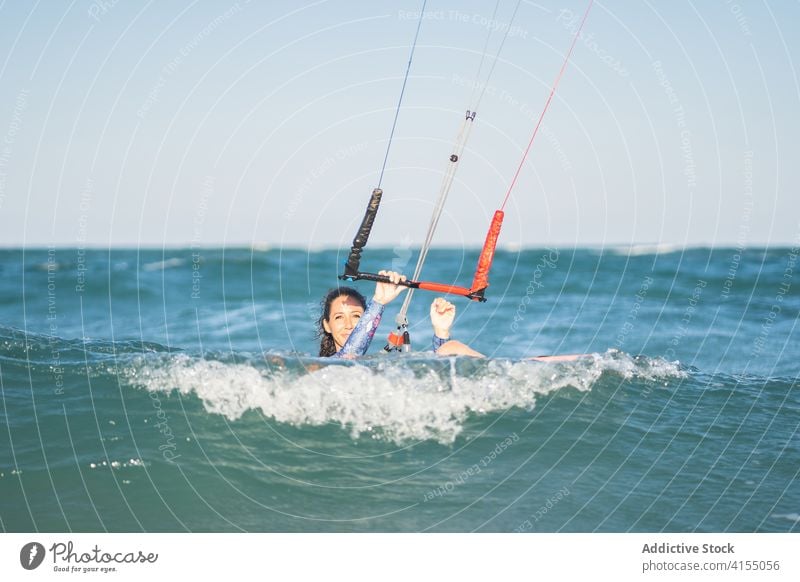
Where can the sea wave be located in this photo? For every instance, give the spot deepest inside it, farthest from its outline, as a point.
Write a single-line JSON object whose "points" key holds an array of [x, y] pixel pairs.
{"points": [[403, 399]]}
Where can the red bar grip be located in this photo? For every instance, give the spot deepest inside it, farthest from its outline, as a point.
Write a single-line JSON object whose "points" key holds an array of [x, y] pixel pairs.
{"points": [[442, 288], [481, 280]]}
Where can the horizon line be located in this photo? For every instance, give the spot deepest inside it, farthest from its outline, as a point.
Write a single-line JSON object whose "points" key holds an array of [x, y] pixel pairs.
{"points": [[508, 247]]}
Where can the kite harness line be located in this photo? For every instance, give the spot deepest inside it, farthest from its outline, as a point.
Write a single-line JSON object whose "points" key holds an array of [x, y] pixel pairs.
{"points": [[481, 280], [400, 340], [351, 266], [352, 270], [477, 289]]}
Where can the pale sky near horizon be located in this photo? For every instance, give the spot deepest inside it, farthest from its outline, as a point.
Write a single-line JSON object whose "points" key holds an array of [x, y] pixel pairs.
{"points": [[265, 123]]}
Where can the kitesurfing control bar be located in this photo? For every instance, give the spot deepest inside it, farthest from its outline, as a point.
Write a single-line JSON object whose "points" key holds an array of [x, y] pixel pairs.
{"points": [[425, 285]]}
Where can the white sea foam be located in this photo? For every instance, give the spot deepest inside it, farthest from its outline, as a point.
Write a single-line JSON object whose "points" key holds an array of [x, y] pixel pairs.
{"points": [[790, 516], [117, 464], [162, 265], [400, 400], [647, 249]]}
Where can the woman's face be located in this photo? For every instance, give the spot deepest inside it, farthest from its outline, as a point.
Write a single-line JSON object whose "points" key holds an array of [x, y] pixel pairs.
{"points": [[344, 315]]}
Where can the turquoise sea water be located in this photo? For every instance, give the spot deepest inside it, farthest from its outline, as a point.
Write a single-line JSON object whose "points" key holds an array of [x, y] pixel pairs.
{"points": [[175, 390]]}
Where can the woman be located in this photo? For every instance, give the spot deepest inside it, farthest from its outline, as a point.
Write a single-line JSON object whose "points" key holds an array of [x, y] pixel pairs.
{"points": [[348, 322], [443, 314]]}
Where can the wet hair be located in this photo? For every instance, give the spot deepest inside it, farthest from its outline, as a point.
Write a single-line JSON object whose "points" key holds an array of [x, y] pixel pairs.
{"points": [[327, 347]]}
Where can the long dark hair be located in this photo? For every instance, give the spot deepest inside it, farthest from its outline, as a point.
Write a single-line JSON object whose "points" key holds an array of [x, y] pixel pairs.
{"points": [[327, 347]]}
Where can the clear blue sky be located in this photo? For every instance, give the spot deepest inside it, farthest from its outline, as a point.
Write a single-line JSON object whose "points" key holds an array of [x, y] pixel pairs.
{"points": [[213, 123]]}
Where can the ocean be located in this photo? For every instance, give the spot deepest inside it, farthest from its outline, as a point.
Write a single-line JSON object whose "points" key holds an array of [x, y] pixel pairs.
{"points": [[171, 390]]}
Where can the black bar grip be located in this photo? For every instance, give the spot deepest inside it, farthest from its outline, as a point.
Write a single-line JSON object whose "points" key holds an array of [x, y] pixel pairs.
{"points": [[360, 240], [384, 279]]}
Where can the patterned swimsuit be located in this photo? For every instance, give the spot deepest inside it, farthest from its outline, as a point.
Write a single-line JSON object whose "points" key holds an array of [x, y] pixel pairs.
{"points": [[359, 340]]}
